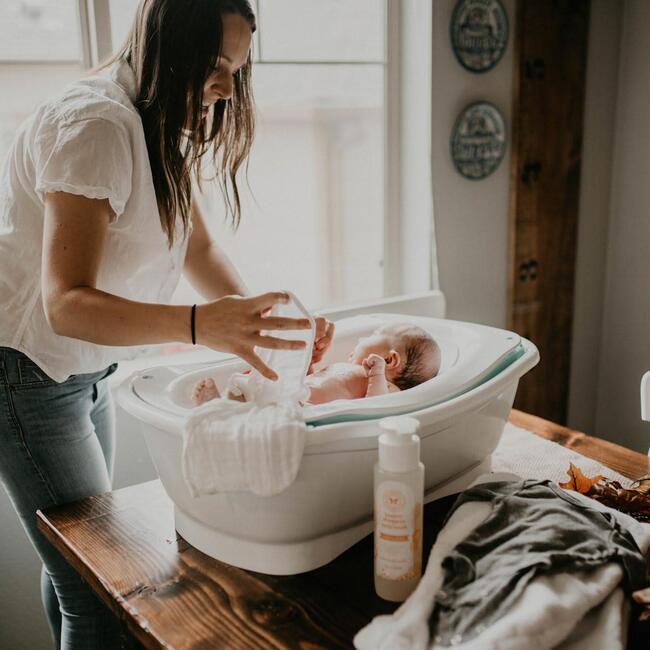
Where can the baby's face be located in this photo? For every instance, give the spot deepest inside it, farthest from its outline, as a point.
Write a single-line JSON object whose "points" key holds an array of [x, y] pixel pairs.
{"points": [[379, 342]]}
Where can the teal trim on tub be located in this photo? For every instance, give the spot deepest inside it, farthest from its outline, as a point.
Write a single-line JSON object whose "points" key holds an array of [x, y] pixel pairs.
{"points": [[506, 361]]}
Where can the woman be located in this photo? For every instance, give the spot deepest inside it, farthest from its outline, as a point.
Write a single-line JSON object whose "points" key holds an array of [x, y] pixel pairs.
{"points": [[97, 221]]}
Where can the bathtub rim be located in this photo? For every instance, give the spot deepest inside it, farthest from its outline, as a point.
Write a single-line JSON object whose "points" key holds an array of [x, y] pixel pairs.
{"points": [[318, 437]]}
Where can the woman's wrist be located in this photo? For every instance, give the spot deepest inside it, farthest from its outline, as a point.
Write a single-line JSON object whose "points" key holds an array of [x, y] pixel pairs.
{"points": [[175, 324]]}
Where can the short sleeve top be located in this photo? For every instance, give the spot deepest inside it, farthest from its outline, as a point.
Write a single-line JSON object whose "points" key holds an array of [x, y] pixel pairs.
{"points": [[89, 141]]}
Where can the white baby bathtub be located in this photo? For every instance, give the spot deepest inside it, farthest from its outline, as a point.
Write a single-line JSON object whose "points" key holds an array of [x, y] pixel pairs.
{"points": [[329, 507]]}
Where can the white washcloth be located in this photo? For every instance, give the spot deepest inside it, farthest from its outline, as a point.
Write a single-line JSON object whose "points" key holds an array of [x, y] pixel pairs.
{"points": [[230, 446], [255, 445], [291, 366], [578, 611]]}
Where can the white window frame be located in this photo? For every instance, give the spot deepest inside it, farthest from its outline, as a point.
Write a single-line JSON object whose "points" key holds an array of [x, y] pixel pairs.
{"points": [[410, 265], [409, 249], [95, 26]]}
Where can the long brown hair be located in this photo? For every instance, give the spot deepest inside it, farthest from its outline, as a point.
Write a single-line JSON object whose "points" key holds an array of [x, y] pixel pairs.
{"points": [[172, 47]]}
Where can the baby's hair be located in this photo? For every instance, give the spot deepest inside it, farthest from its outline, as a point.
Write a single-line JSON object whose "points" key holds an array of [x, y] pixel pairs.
{"points": [[422, 360]]}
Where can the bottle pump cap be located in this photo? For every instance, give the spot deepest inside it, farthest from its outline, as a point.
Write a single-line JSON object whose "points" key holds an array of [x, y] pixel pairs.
{"points": [[399, 447]]}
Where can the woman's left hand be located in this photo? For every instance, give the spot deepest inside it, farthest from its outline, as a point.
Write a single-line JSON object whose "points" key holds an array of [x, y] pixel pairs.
{"points": [[323, 339]]}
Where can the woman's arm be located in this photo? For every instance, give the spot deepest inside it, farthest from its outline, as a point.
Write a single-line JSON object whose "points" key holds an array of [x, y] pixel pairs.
{"points": [[207, 267], [73, 241]]}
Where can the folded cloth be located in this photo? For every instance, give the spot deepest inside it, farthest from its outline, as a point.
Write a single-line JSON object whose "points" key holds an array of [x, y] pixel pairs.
{"points": [[256, 445], [229, 446], [565, 609]]}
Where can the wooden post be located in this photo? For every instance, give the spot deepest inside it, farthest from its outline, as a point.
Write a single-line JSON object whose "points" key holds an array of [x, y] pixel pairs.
{"points": [[547, 120]]}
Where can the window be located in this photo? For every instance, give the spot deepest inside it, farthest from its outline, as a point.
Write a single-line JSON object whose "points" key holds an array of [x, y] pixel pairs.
{"points": [[40, 51], [339, 209], [39, 30], [313, 221]]}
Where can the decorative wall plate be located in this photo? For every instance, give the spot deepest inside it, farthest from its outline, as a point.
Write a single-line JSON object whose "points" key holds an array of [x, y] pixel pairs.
{"points": [[479, 33], [478, 140]]}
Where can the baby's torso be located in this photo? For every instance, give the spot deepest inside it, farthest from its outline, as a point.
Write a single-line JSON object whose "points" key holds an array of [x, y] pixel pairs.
{"points": [[337, 381]]}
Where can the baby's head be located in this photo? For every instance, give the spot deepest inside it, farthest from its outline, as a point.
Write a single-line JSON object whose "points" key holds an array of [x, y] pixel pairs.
{"points": [[412, 354]]}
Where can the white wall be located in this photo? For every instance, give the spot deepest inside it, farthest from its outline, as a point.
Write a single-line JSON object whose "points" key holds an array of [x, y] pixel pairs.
{"points": [[471, 217], [612, 303], [598, 142], [22, 621], [625, 343]]}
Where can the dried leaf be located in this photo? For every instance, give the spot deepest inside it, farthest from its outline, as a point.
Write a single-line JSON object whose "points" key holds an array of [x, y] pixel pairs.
{"points": [[578, 481], [632, 501]]}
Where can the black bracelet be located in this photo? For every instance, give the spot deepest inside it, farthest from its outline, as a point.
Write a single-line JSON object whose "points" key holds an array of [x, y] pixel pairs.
{"points": [[193, 324]]}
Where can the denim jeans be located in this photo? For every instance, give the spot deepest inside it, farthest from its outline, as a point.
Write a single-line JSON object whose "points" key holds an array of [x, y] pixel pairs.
{"points": [[57, 444]]}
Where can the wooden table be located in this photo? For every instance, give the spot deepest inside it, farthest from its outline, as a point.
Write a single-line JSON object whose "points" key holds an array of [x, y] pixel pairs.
{"points": [[170, 595]]}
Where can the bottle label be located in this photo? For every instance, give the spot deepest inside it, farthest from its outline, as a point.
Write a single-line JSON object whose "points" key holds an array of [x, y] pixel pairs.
{"points": [[397, 541]]}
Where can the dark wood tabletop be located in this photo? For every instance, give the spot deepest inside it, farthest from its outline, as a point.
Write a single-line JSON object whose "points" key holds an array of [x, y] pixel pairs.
{"points": [[170, 595]]}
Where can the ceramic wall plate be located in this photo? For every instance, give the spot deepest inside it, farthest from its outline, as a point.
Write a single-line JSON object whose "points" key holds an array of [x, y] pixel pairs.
{"points": [[479, 33], [478, 140]]}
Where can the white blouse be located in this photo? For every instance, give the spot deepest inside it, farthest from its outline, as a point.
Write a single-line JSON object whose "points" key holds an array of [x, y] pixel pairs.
{"points": [[89, 141]]}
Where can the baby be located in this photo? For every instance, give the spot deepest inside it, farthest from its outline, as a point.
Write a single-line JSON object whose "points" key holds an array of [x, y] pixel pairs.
{"points": [[391, 359]]}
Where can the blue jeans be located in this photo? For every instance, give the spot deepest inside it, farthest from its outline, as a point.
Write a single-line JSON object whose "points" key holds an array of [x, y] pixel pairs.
{"points": [[57, 444]]}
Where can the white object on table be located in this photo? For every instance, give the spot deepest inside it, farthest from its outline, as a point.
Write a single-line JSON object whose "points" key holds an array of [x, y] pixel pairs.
{"points": [[645, 398]]}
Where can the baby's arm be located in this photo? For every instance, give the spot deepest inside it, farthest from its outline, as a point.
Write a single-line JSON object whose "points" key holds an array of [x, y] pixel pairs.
{"points": [[375, 366]]}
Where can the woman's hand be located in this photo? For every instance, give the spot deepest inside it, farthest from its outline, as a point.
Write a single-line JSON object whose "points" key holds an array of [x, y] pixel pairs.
{"points": [[323, 338], [233, 324]]}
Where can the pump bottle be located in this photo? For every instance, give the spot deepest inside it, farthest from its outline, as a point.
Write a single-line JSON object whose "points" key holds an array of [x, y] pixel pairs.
{"points": [[399, 492]]}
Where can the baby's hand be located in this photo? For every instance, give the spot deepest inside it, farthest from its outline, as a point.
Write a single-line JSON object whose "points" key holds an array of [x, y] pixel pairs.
{"points": [[374, 364]]}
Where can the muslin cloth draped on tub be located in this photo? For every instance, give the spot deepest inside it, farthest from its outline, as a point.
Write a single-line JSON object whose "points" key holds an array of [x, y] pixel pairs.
{"points": [[255, 445]]}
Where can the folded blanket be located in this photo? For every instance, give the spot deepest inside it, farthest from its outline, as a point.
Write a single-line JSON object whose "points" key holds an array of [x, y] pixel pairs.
{"points": [[580, 609], [230, 446]]}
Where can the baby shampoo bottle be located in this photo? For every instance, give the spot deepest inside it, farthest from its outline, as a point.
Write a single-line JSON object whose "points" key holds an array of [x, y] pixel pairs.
{"points": [[399, 491]]}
